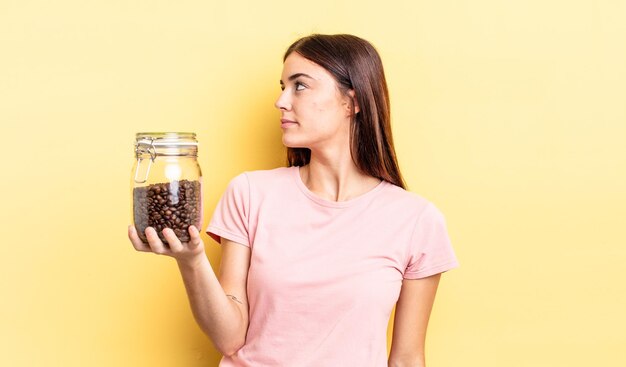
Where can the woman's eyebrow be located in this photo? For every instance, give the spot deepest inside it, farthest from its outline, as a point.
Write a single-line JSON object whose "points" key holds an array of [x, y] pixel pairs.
{"points": [[297, 75]]}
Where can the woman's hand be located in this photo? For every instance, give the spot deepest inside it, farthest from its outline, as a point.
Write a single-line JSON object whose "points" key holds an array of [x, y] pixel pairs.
{"points": [[183, 252]]}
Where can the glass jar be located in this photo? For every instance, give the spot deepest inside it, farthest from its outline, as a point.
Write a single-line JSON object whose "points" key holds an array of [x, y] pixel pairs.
{"points": [[167, 184]]}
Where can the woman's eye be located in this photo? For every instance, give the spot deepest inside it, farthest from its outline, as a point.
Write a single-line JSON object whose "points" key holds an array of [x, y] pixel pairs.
{"points": [[300, 86]]}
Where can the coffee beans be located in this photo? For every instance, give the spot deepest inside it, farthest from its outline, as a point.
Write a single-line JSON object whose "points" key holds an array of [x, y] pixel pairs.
{"points": [[175, 205]]}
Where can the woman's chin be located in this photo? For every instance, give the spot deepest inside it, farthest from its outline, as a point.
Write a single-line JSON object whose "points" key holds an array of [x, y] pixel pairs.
{"points": [[292, 143]]}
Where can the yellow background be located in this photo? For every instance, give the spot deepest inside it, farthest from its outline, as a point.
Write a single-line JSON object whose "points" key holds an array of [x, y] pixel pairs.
{"points": [[509, 115]]}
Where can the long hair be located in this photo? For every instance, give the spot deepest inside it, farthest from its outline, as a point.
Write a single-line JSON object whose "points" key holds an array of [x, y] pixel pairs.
{"points": [[355, 65]]}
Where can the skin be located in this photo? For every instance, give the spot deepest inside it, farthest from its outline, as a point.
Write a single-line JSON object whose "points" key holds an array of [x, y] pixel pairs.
{"points": [[314, 114]]}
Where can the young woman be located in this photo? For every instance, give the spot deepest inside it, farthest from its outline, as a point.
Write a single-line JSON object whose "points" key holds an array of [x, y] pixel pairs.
{"points": [[315, 255]]}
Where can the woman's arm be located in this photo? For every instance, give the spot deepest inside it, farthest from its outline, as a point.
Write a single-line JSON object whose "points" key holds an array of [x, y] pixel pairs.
{"points": [[220, 307], [410, 322]]}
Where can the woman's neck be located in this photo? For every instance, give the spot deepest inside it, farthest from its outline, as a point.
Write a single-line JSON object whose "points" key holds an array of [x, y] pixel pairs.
{"points": [[336, 179]]}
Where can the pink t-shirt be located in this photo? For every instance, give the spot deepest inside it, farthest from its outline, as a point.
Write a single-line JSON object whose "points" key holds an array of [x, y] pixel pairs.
{"points": [[324, 276]]}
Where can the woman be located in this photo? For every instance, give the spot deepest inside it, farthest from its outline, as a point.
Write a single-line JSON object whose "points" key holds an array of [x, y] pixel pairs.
{"points": [[315, 255]]}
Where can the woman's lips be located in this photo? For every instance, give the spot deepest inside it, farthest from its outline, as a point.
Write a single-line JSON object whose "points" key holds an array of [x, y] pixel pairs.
{"points": [[287, 123]]}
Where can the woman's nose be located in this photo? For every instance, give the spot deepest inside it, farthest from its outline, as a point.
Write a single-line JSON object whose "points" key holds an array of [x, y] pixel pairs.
{"points": [[282, 102]]}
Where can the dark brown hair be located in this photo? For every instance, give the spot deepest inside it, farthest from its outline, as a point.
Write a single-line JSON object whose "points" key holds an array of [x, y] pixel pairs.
{"points": [[356, 65]]}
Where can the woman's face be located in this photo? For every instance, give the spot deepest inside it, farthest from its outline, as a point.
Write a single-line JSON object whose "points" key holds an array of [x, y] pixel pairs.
{"points": [[314, 113]]}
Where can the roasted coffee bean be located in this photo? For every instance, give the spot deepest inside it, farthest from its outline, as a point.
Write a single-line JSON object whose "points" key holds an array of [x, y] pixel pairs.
{"points": [[174, 205]]}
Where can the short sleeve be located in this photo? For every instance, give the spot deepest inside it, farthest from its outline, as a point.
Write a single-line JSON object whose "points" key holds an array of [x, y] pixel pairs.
{"points": [[231, 216], [430, 248]]}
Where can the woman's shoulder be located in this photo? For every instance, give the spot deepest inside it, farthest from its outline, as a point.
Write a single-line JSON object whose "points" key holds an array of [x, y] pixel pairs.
{"points": [[394, 192], [278, 173], [407, 201], [265, 177]]}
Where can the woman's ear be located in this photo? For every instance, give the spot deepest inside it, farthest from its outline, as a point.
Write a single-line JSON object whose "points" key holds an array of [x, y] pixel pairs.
{"points": [[354, 103]]}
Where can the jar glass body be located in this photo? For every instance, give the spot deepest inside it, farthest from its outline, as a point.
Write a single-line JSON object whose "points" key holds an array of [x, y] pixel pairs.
{"points": [[166, 184]]}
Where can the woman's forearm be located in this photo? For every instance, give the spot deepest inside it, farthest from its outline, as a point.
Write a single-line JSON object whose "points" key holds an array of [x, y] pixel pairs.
{"points": [[217, 315]]}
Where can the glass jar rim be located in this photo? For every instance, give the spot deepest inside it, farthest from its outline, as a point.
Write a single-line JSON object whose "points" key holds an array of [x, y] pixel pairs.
{"points": [[166, 139], [168, 135]]}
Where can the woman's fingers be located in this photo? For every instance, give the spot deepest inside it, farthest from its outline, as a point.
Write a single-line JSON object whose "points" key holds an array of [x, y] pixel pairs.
{"points": [[195, 239], [173, 241], [136, 241], [155, 242], [171, 247]]}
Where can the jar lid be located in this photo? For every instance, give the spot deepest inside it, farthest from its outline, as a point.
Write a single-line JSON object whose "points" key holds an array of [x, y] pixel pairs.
{"points": [[166, 143], [167, 139]]}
